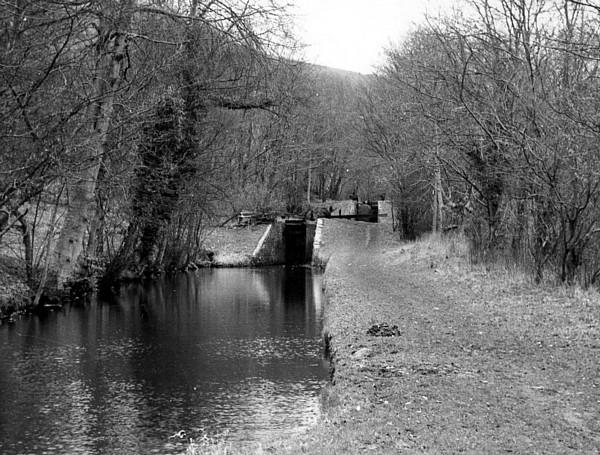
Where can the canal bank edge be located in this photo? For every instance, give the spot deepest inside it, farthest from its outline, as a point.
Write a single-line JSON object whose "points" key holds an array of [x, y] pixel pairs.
{"points": [[248, 246]]}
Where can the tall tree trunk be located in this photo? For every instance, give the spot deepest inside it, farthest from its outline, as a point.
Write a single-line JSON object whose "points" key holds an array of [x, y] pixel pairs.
{"points": [[438, 201], [27, 237], [309, 178], [109, 70], [47, 250]]}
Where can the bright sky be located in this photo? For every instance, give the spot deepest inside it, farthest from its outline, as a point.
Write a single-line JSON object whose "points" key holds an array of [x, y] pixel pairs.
{"points": [[351, 34]]}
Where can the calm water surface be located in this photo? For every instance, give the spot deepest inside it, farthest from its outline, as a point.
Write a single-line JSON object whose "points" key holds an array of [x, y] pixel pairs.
{"points": [[234, 351]]}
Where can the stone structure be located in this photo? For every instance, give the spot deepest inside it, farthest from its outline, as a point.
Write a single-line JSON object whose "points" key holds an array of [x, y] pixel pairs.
{"points": [[311, 229], [304, 242], [286, 242], [385, 214], [318, 258], [270, 249], [331, 234]]}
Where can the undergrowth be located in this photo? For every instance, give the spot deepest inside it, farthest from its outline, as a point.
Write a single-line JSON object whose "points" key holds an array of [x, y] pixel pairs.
{"points": [[453, 253]]}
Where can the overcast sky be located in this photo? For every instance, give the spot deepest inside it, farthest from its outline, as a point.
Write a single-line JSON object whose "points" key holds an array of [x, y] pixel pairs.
{"points": [[350, 34]]}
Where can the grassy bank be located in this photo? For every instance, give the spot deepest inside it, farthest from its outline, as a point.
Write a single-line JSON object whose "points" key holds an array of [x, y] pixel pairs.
{"points": [[233, 246], [482, 360]]}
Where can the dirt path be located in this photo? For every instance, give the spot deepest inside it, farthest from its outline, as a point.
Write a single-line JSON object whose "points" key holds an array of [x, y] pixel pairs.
{"points": [[483, 363]]}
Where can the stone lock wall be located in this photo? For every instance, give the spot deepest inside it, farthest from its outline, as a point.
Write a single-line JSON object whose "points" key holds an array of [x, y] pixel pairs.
{"points": [[271, 246], [385, 214], [277, 246]]}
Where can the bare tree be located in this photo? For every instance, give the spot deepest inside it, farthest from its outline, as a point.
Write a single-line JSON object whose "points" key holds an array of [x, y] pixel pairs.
{"points": [[510, 98]]}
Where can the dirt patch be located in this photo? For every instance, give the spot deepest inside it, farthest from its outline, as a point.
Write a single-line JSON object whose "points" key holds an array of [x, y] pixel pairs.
{"points": [[383, 330]]}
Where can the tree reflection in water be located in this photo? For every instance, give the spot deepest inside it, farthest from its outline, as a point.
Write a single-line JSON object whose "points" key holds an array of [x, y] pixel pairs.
{"points": [[235, 350]]}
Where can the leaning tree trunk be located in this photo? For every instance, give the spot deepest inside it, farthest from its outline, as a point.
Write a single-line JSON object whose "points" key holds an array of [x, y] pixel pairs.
{"points": [[110, 62]]}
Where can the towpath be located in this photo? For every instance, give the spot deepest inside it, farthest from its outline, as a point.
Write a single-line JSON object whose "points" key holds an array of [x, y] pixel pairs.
{"points": [[479, 361]]}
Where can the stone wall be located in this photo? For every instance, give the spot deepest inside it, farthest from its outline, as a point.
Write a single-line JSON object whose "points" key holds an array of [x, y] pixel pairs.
{"points": [[311, 229], [319, 253], [347, 207], [333, 235], [271, 247], [385, 215]]}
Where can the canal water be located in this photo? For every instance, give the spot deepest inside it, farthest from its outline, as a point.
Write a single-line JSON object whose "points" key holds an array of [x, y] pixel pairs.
{"points": [[229, 352]]}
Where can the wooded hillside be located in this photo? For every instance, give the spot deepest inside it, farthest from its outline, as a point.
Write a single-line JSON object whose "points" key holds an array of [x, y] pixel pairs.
{"points": [[129, 128]]}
